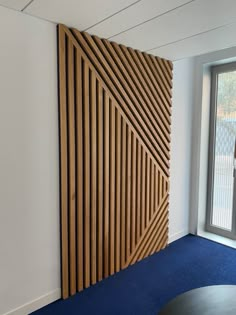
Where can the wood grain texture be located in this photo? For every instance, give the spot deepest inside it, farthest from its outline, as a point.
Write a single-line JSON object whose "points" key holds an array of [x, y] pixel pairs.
{"points": [[115, 115]]}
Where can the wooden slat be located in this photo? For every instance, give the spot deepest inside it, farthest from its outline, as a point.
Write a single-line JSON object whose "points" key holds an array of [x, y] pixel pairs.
{"points": [[87, 227], [112, 187], [106, 185], [128, 193], [147, 190], [93, 178], [143, 190], [138, 193], [63, 163], [154, 189], [151, 190], [159, 186], [123, 193], [100, 181], [118, 190], [133, 182], [79, 155], [163, 186], [71, 150]]}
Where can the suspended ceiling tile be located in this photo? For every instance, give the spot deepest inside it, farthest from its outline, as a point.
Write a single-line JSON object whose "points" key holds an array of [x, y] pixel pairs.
{"points": [[139, 13], [80, 14], [214, 40], [14, 4], [193, 18]]}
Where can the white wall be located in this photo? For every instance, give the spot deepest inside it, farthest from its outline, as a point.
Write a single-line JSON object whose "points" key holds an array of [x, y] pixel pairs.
{"points": [[181, 148], [29, 198]]}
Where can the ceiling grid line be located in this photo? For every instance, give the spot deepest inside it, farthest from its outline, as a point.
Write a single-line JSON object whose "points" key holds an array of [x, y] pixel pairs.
{"points": [[151, 19], [195, 35], [132, 4], [27, 5]]}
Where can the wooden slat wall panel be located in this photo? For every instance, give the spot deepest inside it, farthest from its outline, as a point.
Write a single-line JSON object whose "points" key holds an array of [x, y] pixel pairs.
{"points": [[115, 115]]}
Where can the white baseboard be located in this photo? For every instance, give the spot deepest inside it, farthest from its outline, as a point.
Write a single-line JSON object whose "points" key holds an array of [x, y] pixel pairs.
{"points": [[37, 303], [178, 235]]}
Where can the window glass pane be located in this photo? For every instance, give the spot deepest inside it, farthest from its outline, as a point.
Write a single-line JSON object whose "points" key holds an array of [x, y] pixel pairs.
{"points": [[224, 151]]}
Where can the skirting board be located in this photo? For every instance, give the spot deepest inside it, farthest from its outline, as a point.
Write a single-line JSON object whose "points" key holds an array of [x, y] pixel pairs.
{"points": [[37, 303], [176, 236]]}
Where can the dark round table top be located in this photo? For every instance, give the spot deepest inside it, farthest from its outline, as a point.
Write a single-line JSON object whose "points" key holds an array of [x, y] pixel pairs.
{"points": [[212, 300]]}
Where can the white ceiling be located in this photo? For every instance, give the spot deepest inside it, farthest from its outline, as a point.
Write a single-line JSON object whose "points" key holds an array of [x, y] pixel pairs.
{"points": [[173, 29]]}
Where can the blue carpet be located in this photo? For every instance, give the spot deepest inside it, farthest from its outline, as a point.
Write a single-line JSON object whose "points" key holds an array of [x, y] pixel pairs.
{"points": [[145, 287]]}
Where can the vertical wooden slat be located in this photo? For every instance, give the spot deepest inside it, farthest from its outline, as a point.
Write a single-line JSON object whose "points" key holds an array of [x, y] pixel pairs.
{"points": [[147, 190], [154, 189], [100, 182], [112, 187], [79, 155], [143, 190], [133, 210], [138, 192], [71, 149], [151, 190], [163, 186], [159, 186], [87, 229], [128, 196], [106, 185], [93, 178], [118, 189], [63, 162], [123, 195]]}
